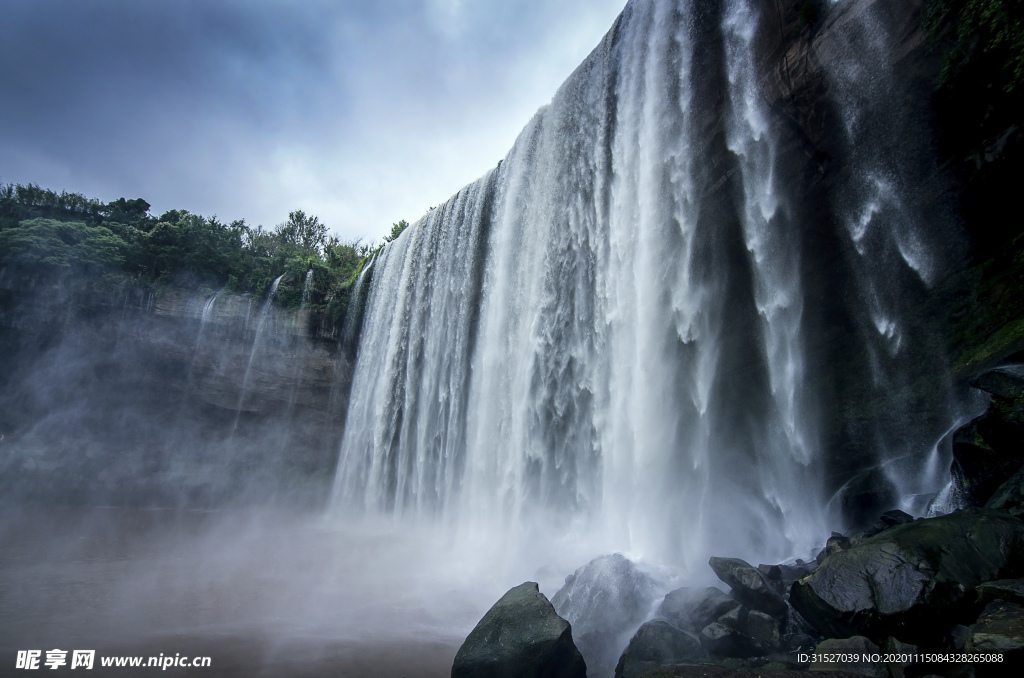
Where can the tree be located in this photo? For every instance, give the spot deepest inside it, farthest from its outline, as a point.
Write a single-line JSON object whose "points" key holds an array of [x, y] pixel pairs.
{"points": [[306, 234], [396, 230], [127, 211]]}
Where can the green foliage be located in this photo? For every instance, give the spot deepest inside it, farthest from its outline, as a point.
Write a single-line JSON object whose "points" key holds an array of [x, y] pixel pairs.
{"points": [[973, 30], [43, 231], [302, 234], [49, 244], [396, 230]]}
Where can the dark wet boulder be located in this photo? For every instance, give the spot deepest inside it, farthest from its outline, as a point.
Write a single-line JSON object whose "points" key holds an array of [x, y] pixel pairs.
{"points": [[999, 629], [749, 585], [764, 628], [836, 543], [1010, 590], [721, 641], [912, 581], [606, 600], [990, 449], [798, 633], [958, 635], [865, 496], [856, 647], [786, 573], [693, 609], [655, 644], [735, 618], [773, 575], [1005, 383], [521, 635], [1010, 495], [887, 520]]}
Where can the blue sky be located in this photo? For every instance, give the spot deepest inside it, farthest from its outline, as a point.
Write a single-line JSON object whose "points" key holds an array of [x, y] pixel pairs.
{"points": [[363, 112]]}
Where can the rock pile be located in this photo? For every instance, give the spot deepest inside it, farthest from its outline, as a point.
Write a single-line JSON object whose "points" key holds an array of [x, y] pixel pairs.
{"points": [[906, 597]]}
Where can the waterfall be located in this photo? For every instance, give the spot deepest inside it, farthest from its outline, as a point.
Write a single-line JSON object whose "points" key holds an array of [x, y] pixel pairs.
{"points": [[260, 327], [604, 341], [307, 289], [204, 318]]}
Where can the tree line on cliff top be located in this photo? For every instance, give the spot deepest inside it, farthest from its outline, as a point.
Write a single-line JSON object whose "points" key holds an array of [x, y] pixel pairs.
{"points": [[45, 233]]}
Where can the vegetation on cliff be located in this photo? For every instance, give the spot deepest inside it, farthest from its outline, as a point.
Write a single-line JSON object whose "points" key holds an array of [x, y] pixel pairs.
{"points": [[45, 233], [979, 109]]}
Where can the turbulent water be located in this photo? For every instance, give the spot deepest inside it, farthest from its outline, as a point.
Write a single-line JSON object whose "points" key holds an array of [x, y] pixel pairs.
{"points": [[604, 340]]}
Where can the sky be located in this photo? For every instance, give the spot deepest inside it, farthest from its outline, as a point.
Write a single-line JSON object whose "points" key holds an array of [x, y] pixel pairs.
{"points": [[361, 112]]}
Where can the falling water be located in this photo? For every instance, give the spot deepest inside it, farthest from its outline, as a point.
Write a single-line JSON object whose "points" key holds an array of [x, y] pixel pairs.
{"points": [[894, 230], [602, 343], [770, 235], [204, 318], [307, 289], [260, 327]]}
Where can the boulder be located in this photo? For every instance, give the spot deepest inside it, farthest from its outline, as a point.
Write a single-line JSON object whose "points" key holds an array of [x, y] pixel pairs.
{"points": [[865, 496], [655, 644], [764, 628], [749, 585], [720, 641], [835, 544], [887, 520], [1005, 383], [1010, 590], [693, 609], [913, 581], [990, 449], [787, 573], [1010, 495], [857, 646], [798, 634], [521, 635], [735, 618], [606, 600], [1000, 628]]}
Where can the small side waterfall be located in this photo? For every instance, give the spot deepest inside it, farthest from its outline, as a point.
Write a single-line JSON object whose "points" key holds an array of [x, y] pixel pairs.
{"points": [[307, 288], [603, 344], [204, 319], [260, 327]]}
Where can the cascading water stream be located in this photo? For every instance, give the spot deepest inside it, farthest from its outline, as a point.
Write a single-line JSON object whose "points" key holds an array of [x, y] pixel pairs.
{"points": [[204, 318], [773, 244], [603, 343], [260, 327], [307, 289], [298, 365]]}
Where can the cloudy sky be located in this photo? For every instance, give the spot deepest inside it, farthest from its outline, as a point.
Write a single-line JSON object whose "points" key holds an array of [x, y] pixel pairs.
{"points": [[363, 112]]}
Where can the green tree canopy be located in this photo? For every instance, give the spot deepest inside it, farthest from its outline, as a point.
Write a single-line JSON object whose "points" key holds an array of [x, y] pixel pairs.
{"points": [[51, 244]]}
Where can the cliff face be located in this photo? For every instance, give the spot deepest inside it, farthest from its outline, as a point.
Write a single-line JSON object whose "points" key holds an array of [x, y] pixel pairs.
{"points": [[172, 398], [884, 243]]}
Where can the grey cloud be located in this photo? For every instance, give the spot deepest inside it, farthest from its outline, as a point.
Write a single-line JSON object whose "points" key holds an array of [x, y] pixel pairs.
{"points": [[204, 104]]}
